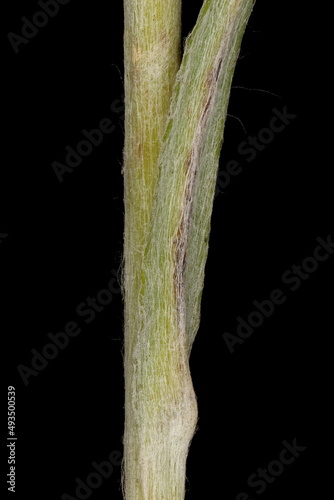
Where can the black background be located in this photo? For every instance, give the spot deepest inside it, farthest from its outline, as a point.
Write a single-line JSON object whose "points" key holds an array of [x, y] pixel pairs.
{"points": [[64, 239]]}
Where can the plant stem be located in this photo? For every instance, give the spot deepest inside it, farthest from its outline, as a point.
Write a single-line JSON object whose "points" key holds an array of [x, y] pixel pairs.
{"points": [[152, 47], [170, 179]]}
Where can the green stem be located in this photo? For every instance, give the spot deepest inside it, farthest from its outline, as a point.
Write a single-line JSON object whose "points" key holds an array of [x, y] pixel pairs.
{"points": [[152, 53], [165, 256]]}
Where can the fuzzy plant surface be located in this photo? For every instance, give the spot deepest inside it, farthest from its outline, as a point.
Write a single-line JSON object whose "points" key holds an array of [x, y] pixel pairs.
{"points": [[175, 111]]}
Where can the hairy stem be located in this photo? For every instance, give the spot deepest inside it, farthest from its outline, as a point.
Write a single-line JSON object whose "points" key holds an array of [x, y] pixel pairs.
{"points": [[166, 238], [152, 51]]}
